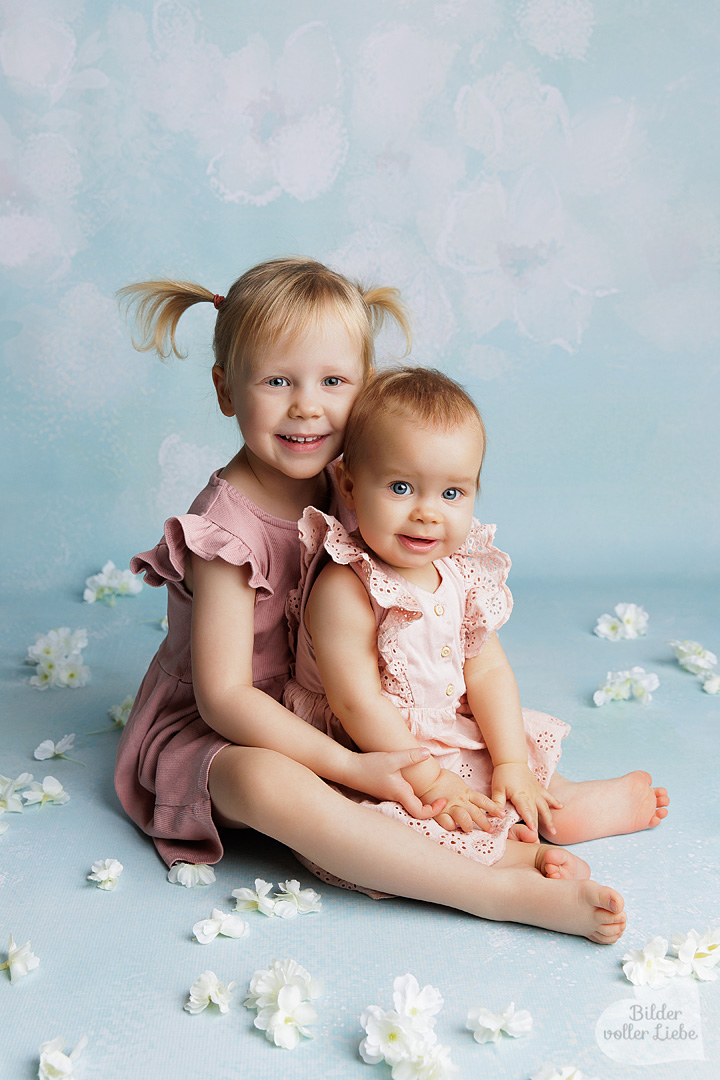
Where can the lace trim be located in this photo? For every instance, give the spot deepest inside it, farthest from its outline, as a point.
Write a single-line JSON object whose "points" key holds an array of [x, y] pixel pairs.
{"points": [[488, 601]]}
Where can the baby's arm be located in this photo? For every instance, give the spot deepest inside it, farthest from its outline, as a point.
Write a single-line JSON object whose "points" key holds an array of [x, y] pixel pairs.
{"points": [[222, 650], [493, 696], [341, 623]]}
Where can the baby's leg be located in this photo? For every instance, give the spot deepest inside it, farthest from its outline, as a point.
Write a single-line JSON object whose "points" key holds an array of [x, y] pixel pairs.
{"points": [[594, 808], [283, 799]]}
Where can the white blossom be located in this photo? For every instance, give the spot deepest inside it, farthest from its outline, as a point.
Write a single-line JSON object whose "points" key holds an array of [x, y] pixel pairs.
{"points": [[56, 644], [266, 984], [9, 799], [58, 655], [431, 1063], [20, 960], [190, 874], [388, 1037], [697, 954], [291, 900], [49, 791], [219, 923], [564, 1072], [256, 899], [207, 989], [629, 621], [119, 713], [287, 1019], [106, 873], [621, 685], [693, 658], [109, 583], [55, 1064], [488, 1026], [650, 965], [711, 685], [49, 749], [164, 624], [418, 1006]]}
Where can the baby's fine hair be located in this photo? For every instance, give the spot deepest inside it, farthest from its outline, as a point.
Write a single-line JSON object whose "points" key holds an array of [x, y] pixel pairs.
{"points": [[417, 393], [280, 298]]}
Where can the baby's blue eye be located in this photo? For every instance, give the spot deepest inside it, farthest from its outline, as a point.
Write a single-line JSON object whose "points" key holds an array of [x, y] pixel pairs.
{"points": [[332, 380], [452, 494], [400, 487], [277, 380]]}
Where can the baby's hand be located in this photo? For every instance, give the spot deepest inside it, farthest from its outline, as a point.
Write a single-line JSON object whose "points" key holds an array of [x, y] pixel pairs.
{"points": [[379, 774], [464, 807], [516, 782]]}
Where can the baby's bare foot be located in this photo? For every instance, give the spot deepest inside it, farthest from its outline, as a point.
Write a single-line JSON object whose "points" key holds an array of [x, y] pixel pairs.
{"points": [[557, 863], [594, 808]]}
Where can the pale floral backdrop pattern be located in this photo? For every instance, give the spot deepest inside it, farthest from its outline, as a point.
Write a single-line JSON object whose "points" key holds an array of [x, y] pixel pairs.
{"points": [[539, 178]]}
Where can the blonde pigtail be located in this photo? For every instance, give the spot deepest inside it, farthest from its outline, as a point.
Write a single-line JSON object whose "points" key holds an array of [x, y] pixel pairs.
{"points": [[385, 302], [158, 306]]}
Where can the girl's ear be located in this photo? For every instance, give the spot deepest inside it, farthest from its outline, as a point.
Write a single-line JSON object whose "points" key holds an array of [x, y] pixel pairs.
{"points": [[223, 391], [345, 484]]}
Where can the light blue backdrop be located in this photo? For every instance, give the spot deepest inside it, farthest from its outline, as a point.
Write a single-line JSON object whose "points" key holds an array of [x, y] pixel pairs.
{"points": [[538, 177]]}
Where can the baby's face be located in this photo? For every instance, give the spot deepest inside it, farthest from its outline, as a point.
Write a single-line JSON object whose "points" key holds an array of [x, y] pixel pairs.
{"points": [[414, 490]]}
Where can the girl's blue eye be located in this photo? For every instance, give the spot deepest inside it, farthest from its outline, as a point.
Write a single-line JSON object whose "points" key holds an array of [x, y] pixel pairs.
{"points": [[332, 380], [452, 494], [277, 380], [400, 487]]}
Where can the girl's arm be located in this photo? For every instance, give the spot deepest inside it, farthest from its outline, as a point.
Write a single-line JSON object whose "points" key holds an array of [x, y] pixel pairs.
{"points": [[495, 702], [222, 649], [341, 623]]}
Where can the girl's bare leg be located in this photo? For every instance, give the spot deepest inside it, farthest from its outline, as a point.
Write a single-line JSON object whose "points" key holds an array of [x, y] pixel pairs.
{"points": [[594, 808], [281, 798]]}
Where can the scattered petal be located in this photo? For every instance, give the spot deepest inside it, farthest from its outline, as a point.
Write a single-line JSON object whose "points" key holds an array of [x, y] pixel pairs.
{"points": [[119, 713], [693, 658], [206, 990], [266, 984], [431, 1063], [49, 791], [621, 685], [697, 954], [55, 1064], [649, 966], [219, 923], [163, 624], [419, 1007], [106, 873], [10, 801], [109, 583], [20, 960], [488, 1026], [711, 685], [610, 627], [255, 900], [291, 900], [58, 655], [190, 874], [49, 749], [287, 1019], [388, 1037]]}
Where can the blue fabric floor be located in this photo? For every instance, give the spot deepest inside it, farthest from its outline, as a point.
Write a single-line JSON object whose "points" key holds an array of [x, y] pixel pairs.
{"points": [[117, 966]]}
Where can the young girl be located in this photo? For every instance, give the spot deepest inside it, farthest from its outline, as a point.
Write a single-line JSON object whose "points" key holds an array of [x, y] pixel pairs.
{"points": [[208, 743], [397, 621]]}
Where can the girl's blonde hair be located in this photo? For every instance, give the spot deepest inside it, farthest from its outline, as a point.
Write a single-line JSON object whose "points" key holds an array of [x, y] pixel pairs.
{"points": [[279, 298], [419, 393]]}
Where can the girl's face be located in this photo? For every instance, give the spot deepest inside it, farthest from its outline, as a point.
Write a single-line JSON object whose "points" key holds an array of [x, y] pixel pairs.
{"points": [[292, 401], [414, 491]]}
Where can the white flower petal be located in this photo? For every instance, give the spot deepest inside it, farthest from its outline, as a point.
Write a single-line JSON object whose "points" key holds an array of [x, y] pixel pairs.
{"points": [[45, 750], [20, 960], [191, 874], [649, 966]]}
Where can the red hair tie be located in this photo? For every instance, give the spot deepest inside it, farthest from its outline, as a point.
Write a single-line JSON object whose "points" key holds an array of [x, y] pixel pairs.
{"points": [[217, 300]]}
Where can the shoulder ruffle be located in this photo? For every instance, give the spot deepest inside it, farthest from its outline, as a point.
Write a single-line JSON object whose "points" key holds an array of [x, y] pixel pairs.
{"points": [[323, 537], [190, 532], [488, 601]]}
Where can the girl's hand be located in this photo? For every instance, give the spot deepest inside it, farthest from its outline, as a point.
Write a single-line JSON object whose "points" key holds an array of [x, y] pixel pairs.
{"points": [[464, 807], [379, 774], [515, 782]]}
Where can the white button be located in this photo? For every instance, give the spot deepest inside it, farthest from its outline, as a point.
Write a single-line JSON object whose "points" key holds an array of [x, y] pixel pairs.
{"points": [[450, 690], [445, 651], [439, 609]]}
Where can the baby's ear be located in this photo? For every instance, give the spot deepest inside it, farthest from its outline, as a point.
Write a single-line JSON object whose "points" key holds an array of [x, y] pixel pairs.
{"points": [[223, 391], [345, 484]]}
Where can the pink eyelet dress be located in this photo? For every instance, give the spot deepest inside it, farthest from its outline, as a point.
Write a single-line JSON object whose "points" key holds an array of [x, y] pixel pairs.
{"points": [[166, 749], [423, 640]]}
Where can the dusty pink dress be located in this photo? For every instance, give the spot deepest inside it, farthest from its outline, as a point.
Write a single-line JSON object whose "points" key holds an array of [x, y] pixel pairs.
{"points": [[166, 748], [423, 641]]}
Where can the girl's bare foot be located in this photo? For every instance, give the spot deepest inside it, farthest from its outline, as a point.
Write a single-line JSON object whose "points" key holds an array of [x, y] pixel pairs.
{"points": [[557, 863], [579, 907], [594, 808]]}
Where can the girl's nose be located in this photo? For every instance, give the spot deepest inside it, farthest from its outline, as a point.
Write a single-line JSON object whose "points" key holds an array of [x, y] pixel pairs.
{"points": [[305, 405]]}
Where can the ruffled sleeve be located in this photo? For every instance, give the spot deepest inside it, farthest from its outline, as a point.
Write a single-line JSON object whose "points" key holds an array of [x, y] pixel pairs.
{"points": [[488, 601], [166, 562]]}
